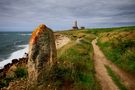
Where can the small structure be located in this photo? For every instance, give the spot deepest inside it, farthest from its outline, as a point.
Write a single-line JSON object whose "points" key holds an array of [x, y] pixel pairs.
{"points": [[75, 27], [82, 27]]}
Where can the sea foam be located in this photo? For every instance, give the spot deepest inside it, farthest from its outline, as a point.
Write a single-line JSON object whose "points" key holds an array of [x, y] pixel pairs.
{"points": [[15, 55]]}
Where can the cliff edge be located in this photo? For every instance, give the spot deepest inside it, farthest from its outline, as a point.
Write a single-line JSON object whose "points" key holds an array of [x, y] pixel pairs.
{"points": [[38, 69]]}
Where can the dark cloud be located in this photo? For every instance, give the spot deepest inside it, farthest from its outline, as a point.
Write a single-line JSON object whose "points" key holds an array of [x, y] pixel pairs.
{"points": [[60, 14]]}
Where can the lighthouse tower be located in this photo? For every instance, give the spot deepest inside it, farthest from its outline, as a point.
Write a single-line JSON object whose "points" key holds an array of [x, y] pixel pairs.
{"points": [[75, 27]]}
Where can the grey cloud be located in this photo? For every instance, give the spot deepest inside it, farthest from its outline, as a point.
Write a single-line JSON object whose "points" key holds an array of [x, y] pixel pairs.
{"points": [[61, 13]]}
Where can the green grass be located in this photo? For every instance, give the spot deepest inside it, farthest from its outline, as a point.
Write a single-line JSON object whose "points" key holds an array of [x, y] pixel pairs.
{"points": [[20, 72], [5, 81], [118, 45], [96, 30], [78, 61], [122, 54], [73, 35], [74, 69], [115, 78]]}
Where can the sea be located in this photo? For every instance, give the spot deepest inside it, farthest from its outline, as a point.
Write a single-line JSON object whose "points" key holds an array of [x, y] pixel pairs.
{"points": [[13, 45]]}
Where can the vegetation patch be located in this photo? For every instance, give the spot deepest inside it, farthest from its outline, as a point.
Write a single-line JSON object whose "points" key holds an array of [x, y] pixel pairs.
{"points": [[78, 65], [5, 82], [74, 69], [115, 78], [119, 47], [21, 72]]}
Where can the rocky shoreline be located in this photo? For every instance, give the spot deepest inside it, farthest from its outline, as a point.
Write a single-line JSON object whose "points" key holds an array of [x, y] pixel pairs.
{"points": [[9, 69], [60, 41]]}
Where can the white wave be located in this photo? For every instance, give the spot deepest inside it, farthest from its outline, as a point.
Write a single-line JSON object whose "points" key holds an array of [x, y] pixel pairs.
{"points": [[15, 55], [23, 34]]}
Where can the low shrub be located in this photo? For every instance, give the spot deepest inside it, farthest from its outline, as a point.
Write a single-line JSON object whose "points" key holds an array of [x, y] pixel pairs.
{"points": [[5, 82], [21, 72]]}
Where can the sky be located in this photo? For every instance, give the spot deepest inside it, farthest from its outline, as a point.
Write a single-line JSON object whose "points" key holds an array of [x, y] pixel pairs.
{"points": [[25, 15]]}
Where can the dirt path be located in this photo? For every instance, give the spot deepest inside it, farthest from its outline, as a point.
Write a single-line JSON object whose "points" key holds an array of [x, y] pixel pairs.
{"points": [[127, 78], [101, 72], [100, 61]]}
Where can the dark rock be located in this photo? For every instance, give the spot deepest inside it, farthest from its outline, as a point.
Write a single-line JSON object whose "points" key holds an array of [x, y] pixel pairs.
{"points": [[1, 70], [7, 66], [14, 60]]}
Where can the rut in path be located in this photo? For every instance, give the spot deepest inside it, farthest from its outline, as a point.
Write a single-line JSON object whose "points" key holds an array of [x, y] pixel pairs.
{"points": [[101, 72], [100, 60]]}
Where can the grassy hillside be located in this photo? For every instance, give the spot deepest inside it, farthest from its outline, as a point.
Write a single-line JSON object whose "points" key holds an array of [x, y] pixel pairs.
{"points": [[75, 69], [118, 44], [101, 30]]}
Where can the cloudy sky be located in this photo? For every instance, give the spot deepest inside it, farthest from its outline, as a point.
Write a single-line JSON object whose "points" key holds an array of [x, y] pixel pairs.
{"points": [[25, 15]]}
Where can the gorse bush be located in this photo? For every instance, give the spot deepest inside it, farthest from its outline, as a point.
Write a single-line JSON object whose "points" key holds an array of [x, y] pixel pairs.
{"points": [[123, 45], [5, 81], [21, 72]]}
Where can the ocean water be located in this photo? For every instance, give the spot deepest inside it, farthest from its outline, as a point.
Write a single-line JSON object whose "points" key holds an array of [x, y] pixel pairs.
{"points": [[13, 45]]}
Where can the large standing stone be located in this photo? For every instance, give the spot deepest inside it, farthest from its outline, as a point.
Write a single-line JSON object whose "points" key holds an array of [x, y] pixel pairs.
{"points": [[42, 55]]}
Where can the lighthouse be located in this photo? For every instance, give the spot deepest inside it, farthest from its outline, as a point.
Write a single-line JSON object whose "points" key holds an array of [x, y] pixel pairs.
{"points": [[75, 27]]}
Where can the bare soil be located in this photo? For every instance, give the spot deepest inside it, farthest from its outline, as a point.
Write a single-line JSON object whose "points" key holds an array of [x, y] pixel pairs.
{"points": [[101, 73], [61, 41]]}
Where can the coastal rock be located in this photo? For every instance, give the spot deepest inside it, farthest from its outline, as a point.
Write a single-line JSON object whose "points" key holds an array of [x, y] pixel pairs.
{"points": [[9, 71], [42, 55], [15, 61]]}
